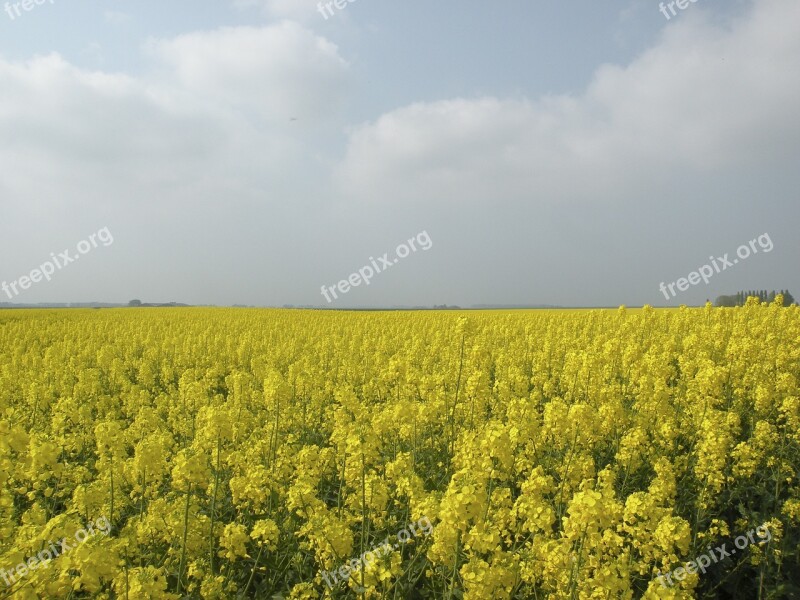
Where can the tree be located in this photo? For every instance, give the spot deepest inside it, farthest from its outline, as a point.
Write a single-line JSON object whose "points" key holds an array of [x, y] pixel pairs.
{"points": [[764, 296], [135, 303], [729, 301]]}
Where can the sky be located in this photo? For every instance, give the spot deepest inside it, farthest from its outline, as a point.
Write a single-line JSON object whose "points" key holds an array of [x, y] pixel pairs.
{"points": [[272, 152]]}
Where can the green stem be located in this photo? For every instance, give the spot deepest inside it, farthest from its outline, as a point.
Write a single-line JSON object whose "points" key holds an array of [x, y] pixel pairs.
{"points": [[185, 535], [211, 544], [253, 572]]}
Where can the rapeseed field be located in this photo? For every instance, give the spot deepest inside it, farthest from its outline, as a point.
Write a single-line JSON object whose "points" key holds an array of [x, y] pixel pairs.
{"points": [[227, 453]]}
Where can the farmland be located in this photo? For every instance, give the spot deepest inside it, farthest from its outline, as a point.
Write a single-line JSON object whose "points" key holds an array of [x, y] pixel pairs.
{"points": [[257, 453]]}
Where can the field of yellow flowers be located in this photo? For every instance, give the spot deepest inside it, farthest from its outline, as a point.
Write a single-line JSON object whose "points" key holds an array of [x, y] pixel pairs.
{"points": [[264, 453]]}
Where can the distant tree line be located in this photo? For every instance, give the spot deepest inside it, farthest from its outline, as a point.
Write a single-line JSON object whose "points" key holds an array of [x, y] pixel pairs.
{"points": [[140, 304], [739, 298]]}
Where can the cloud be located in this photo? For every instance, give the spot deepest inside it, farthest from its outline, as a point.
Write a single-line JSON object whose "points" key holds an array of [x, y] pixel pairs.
{"points": [[208, 120], [211, 100], [705, 99], [171, 159], [274, 72]]}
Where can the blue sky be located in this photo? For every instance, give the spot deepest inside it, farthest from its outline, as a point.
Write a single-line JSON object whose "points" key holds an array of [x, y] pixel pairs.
{"points": [[252, 151]]}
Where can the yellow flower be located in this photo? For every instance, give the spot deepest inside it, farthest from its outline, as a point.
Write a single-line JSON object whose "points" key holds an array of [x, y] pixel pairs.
{"points": [[266, 533], [233, 542]]}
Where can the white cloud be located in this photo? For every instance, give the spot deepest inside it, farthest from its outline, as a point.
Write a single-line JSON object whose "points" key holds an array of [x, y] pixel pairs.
{"points": [[187, 110], [275, 72], [211, 119], [704, 99], [182, 162]]}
